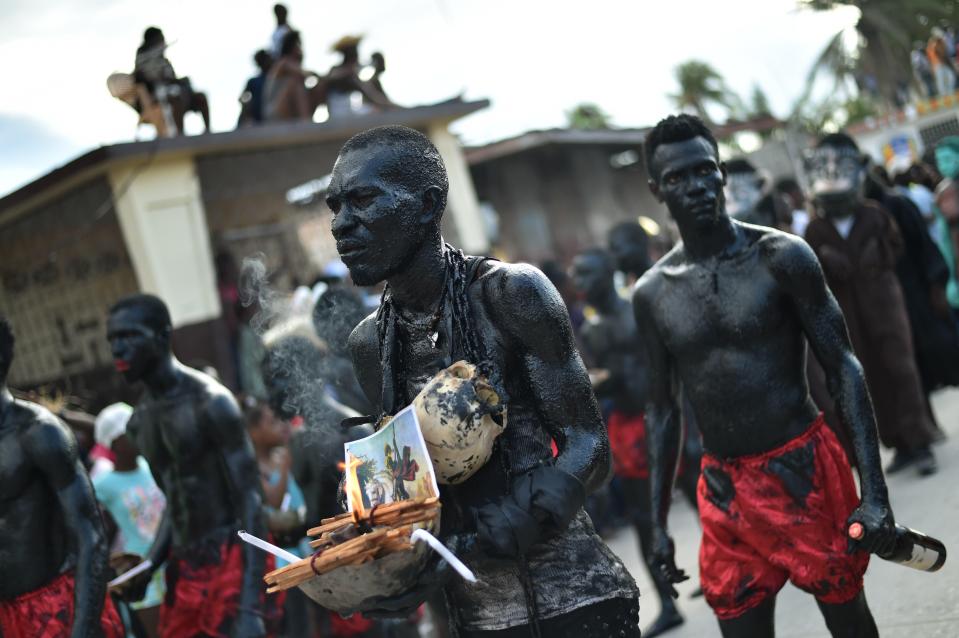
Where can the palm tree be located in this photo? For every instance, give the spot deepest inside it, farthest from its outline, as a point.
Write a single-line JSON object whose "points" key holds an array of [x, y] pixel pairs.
{"points": [[878, 59], [702, 86], [587, 116]]}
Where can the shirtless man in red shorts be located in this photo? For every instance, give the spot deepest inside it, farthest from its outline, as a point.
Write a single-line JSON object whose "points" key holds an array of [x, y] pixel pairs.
{"points": [[53, 552], [190, 430], [728, 312]]}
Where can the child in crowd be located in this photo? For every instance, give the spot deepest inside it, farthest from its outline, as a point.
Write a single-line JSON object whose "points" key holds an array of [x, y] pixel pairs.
{"points": [[283, 500], [132, 502]]}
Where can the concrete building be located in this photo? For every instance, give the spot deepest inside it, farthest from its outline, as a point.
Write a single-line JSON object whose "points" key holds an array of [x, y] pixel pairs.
{"points": [[559, 191], [912, 132], [155, 217]]}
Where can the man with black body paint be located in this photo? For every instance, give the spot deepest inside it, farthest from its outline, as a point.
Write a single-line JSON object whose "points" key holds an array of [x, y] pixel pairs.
{"points": [[612, 341], [543, 569], [53, 550], [190, 430], [728, 312]]}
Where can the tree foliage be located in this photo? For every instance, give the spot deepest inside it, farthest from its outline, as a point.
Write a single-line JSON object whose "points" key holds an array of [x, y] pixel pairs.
{"points": [[886, 31], [587, 116], [701, 87]]}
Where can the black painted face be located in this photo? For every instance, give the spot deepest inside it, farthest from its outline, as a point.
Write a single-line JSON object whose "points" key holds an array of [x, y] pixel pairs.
{"points": [[377, 222], [592, 276], [135, 346], [688, 177], [836, 175], [630, 254]]}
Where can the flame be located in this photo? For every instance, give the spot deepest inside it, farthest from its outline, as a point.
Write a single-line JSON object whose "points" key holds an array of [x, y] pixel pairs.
{"points": [[353, 486]]}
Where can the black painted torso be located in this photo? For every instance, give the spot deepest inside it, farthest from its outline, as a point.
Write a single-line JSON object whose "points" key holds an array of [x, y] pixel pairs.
{"points": [[172, 433], [34, 545], [737, 343], [612, 339]]}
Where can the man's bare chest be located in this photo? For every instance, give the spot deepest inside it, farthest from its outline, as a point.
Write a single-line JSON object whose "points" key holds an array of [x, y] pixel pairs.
{"points": [[16, 470], [700, 310], [170, 432]]}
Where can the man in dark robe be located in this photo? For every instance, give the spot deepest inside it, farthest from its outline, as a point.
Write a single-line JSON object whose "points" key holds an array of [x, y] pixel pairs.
{"points": [[859, 246]]}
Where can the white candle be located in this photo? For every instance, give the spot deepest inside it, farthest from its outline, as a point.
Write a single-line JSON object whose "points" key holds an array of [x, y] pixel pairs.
{"points": [[440, 548], [279, 552], [130, 573]]}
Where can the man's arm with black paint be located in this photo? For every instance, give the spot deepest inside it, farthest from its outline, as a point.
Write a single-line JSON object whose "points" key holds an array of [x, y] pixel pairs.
{"points": [[225, 428], [663, 426], [53, 449], [796, 267], [533, 314]]}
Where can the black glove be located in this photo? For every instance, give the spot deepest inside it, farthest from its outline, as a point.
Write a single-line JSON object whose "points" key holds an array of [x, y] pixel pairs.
{"points": [[542, 503]]}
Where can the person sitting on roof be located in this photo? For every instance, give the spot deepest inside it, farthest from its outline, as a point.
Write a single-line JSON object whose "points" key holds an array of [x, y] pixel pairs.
{"points": [[252, 99], [153, 70], [289, 98]]}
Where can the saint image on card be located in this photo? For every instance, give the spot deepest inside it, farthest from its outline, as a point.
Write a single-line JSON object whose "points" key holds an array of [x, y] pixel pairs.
{"points": [[391, 465]]}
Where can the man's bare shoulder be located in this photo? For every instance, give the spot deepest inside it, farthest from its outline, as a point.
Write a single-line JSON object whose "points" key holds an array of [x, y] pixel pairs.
{"points": [[517, 294], [216, 399], [364, 338], [41, 433], [649, 287], [786, 255]]}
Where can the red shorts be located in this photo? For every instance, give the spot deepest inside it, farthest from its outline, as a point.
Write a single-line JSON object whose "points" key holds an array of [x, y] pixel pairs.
{"points": [[204, 600], [48, 613], [627, 440], [778, 516]]}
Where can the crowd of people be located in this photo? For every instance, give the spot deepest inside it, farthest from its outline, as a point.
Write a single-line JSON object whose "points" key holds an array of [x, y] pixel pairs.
{"points": [[175, 476], [281, 91], [935, 63]]}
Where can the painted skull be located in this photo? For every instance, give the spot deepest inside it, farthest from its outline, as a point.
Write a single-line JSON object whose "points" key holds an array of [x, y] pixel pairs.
{"points": [[460, 416]]}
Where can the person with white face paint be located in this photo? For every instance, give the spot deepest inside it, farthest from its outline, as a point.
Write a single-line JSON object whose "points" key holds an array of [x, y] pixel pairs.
{"points": [[859, 245]]}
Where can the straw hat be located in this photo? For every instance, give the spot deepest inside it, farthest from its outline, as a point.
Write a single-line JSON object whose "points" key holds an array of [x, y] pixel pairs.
{"points": [[346, 42]]}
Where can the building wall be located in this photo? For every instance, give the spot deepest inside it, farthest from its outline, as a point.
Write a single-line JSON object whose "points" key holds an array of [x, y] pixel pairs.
{"points": [[556, 200], [244, 195], [63, 265]]}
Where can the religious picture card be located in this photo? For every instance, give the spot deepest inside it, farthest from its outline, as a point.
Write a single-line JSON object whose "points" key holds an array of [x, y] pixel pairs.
{"points": [[390, 465]]}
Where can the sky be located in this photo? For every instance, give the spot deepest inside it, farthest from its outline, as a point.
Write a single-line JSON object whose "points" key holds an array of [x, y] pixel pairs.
{"points": [[534, 59]]}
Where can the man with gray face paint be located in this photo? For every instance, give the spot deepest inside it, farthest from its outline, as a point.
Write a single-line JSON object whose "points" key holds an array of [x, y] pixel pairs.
{"points": [[859, 245], [748, 197]]}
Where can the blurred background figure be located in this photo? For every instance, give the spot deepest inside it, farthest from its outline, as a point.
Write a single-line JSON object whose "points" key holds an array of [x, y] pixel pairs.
{"points": [[153, 70], [281, 13], [251, 100], [859, 246], [283, 502], [132, 507], [922, 70], [789, 189], [620, 381], [628, 244], [923, 276], [751, 198], [942, 60]]}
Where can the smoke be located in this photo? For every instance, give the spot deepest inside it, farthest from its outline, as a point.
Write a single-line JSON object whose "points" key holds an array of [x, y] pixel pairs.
{"points": [[257, 293], [304, 376]]}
